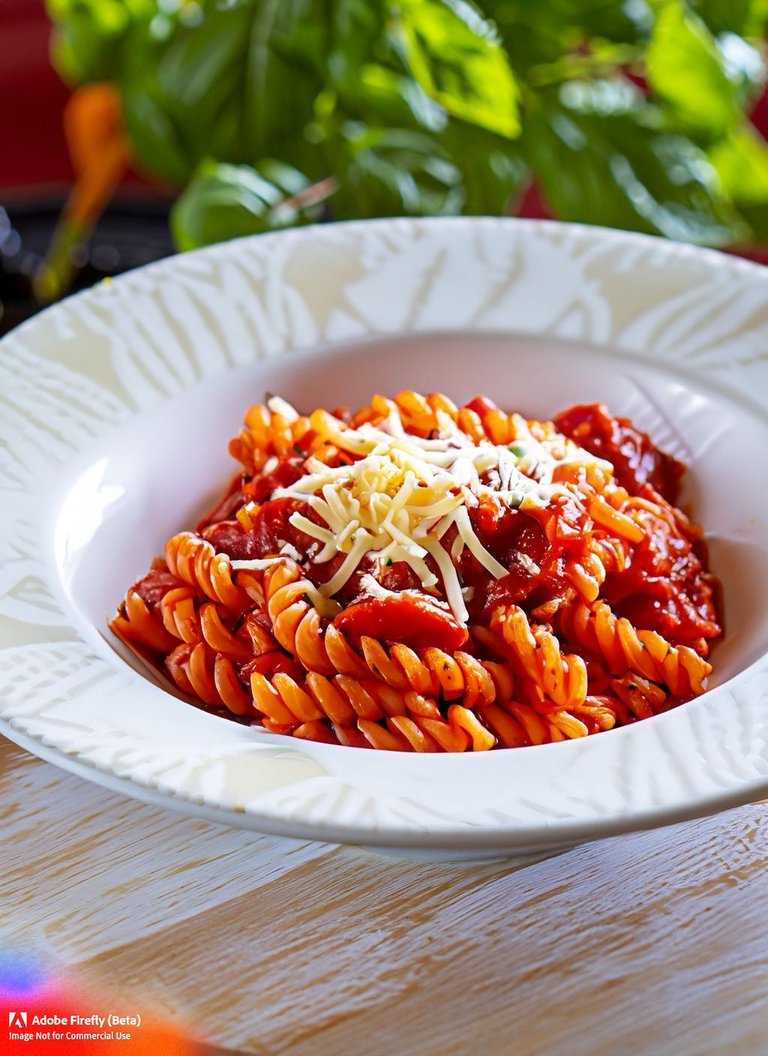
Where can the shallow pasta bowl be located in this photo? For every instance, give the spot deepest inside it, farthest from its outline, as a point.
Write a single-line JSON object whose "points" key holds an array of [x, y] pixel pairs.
{"points": [[117, 408]]}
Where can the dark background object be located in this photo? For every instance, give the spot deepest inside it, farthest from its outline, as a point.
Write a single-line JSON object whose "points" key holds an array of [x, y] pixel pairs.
{"points": [[131, 232]]}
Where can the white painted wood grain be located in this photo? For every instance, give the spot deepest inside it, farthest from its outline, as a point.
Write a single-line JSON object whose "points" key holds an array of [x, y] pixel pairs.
{"points": [[654, 943], [108, 870]]}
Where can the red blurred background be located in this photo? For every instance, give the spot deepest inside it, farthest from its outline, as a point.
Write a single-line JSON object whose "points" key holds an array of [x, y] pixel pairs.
{"points": [[33, 149]]}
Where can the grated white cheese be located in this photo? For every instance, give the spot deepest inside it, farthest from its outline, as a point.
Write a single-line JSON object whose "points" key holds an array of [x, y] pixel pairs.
{"points": [[325, 605], [287, 550], [277, 405], [401, 493]]}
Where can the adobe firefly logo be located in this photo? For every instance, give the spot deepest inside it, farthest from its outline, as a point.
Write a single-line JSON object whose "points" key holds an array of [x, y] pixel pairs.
{"points": [[17, 1020]]}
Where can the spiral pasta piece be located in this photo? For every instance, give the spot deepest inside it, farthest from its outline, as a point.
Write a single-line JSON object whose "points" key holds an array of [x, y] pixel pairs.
{"points": [[267, 434], [196, 562], [431, 672], [646, 653], [298, 628], [562, 677], [139, 627], [198, 672]]}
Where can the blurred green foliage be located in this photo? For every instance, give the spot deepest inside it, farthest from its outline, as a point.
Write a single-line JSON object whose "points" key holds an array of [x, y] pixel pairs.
{"points": [[630, 113]]}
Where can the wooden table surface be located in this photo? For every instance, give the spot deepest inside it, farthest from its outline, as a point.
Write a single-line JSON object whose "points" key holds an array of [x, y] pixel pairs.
{"points": [[652, 943]]}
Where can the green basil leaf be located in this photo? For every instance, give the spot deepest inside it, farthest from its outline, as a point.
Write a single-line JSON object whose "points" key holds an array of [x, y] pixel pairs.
{"points": [[457, 58], [225, 201], [493, 170], [159, 143], [745, 17], [745, 66], [617, 169], [385, 96], [358, 37], [532, 35], [395, 172], [87, 35], [546, 32], [237, 86], [741, 162], [613, 20], [687, 71]]}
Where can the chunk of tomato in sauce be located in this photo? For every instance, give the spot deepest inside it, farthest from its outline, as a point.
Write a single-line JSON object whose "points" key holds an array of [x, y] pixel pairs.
{"points": [[406, 617], [395, 577], [258, 489], [507, 532], [287, 471], [666, 586], [153, 587], [519, 541], [271, 530], [482, 406], [636, 459], [226, 506], [678, 616]]}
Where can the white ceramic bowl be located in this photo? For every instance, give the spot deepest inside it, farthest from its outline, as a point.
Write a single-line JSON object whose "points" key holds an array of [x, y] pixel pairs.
{"points": [[118, 404]]}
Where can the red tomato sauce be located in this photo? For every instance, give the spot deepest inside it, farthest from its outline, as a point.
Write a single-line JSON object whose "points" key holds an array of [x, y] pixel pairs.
{"points": [[635, 459], [153, 587], [664, 586]]}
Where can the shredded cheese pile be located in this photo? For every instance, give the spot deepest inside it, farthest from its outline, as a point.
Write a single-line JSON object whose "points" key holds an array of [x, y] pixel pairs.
{"points": [[401, 493]]}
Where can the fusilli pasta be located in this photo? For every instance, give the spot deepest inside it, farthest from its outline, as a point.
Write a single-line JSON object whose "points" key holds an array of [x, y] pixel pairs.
{"points": [[423, 577]]}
